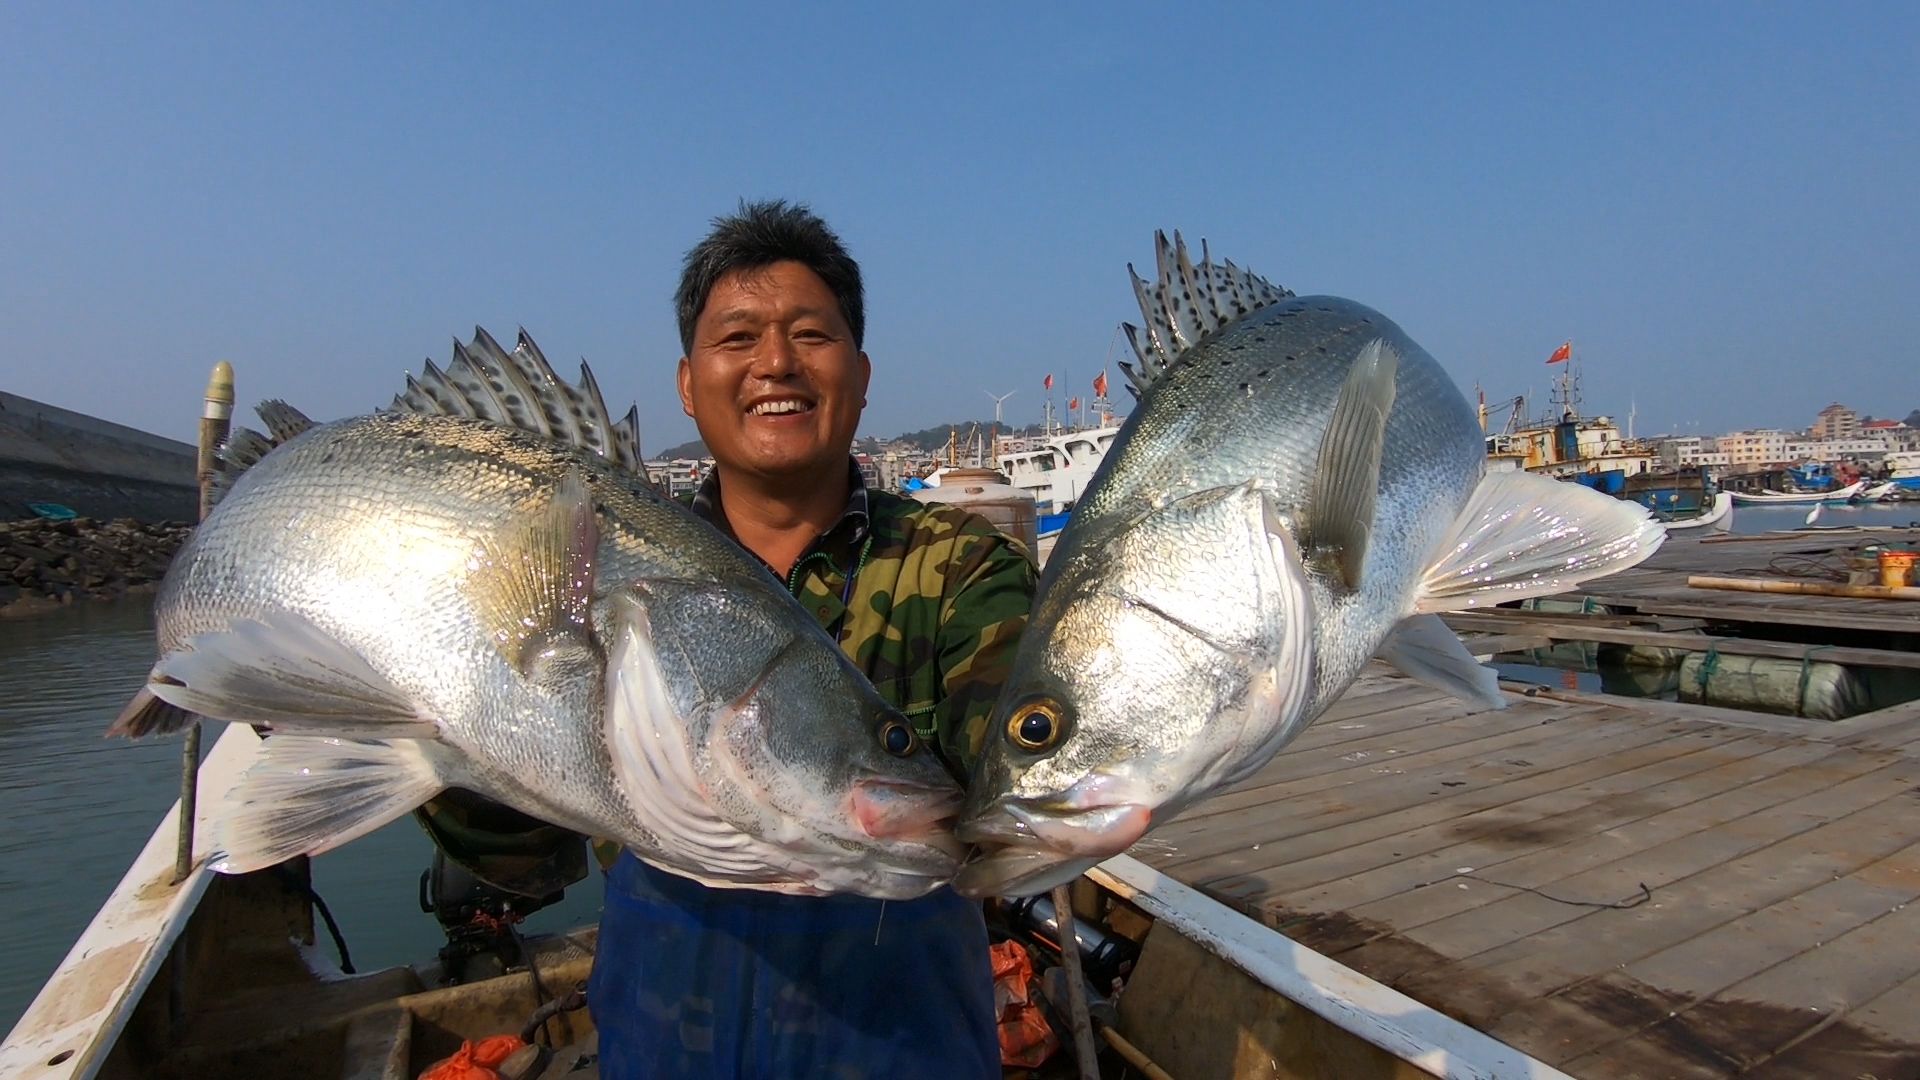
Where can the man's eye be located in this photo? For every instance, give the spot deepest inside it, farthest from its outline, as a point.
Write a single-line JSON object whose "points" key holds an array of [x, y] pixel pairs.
{"points": [[738, 337]]}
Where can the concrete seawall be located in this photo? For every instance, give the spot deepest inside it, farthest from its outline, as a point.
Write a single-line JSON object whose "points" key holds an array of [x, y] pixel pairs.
{"points": [[101, 469]]}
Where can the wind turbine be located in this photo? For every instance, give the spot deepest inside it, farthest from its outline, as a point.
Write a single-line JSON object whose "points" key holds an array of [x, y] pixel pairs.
{"points": [[998, 400]]}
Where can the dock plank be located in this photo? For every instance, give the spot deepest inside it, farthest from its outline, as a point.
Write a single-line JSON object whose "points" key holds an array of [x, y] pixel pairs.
{"points": [[1753, 860], [1216, 847], [1544, 867], [1490, 838]]}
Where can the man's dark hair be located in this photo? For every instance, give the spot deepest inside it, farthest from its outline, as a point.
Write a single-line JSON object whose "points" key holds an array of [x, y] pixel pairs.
{"points": [[758, 235]]}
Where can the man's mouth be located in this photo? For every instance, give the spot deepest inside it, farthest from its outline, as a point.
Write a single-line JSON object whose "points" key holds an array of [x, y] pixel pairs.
{"points": [[779, 407]]}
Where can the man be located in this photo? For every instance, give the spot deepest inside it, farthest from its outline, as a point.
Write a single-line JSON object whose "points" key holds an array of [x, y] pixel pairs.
{"points": [[927, 600]]}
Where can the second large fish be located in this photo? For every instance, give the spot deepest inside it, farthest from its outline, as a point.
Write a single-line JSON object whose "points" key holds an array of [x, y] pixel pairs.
{"points": [[1300, 488]]}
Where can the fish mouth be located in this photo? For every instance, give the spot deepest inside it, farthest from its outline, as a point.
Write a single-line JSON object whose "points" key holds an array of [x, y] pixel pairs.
{"points": [[1017, 871], [890, 809], [1028, 849]]}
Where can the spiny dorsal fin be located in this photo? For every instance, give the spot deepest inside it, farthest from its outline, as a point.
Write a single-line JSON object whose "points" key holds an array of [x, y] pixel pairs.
{"points": [[521, 390], [242, 451], [517, 389], [1187, 303], [283, 420]]}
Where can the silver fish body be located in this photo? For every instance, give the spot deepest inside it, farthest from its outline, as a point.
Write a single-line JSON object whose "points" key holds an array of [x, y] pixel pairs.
{"points": [[1299, 488], [414, 602]]}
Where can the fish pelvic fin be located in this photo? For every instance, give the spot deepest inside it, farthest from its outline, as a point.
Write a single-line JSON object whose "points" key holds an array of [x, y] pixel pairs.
{"points": [[521, 390], [1346, 478], [1425, 650], [309, 794], [286, 673], [1524, 535], [1185, 304], [532, 585]]}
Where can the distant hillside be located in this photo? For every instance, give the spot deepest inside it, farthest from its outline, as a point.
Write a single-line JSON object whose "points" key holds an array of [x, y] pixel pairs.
{"points": [[695, 449], [935, 437]]}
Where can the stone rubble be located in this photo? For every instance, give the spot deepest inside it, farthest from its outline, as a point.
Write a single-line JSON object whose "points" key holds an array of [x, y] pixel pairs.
{"points": [[45, 564]]}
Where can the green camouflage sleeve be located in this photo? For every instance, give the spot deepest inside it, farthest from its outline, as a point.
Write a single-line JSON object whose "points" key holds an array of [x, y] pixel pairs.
{"points": [[979, 630]]}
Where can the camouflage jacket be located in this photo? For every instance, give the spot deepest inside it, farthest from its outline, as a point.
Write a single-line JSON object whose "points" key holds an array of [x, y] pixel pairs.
{"points": [[935, 607], [936, 604]]}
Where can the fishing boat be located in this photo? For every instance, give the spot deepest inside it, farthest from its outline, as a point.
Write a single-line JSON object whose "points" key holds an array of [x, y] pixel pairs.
{"points": [[1835, 497], [1717, 518]]}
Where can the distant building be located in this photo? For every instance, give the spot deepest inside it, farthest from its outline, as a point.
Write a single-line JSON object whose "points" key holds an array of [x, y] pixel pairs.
{"points": [[1758, 447], [1836, 421], [678, 477]]}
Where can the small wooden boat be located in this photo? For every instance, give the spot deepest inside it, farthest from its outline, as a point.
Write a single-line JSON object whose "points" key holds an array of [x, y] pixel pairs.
{"points": [[1789, 498], [1718, 517]]}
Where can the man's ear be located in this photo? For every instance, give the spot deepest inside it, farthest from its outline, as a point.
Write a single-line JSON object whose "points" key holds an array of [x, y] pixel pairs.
{"points": [[684, 377], [866, 376]]}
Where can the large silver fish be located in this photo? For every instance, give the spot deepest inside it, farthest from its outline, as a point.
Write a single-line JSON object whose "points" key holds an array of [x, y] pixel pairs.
{"points": [[1300, 489], [480, 589]]}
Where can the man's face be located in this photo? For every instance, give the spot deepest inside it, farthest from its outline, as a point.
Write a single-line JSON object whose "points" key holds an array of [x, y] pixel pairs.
{"points": [[774, 382]]}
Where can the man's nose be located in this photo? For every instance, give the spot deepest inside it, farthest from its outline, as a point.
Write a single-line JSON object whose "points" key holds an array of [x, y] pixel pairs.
{"points": [[775, 358]]}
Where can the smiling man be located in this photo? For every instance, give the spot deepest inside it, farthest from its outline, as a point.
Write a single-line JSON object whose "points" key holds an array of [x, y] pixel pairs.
{"points": [[927, 600]]}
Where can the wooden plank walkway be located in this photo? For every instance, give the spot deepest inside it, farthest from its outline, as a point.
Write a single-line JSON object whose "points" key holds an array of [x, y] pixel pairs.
{"points": [[1620, 888], [1659, 585]]}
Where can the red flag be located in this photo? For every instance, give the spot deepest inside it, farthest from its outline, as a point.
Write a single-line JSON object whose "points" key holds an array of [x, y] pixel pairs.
{"points": [[1049, 382], [1561, 354], [1072, 404], [1100, 385]]}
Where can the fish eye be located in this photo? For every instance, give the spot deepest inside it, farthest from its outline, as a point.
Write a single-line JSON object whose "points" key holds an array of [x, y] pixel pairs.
{"points": [[1036, 724], [898, 739]]}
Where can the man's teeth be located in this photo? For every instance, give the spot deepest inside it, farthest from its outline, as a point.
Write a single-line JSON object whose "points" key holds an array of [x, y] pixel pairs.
{"points": [[771, 408]]}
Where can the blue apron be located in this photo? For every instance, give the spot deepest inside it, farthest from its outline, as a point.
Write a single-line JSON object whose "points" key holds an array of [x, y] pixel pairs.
{"points": [[690, 981]]}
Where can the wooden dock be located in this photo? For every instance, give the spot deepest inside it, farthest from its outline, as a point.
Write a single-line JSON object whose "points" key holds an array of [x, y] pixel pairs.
{"points": [[1659, 585], [1620, 888]]}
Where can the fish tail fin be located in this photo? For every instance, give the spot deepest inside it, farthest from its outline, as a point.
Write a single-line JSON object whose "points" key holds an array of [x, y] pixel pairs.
{"points": [[1523, 535], [310, 794]]}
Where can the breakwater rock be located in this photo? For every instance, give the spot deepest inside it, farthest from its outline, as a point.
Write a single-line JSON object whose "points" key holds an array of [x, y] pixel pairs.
{"points": [[44, 564]]}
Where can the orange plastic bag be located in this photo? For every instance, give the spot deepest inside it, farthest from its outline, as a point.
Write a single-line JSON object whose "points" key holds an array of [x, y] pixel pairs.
{"points": [[1026, 1039], [475, 1061]]}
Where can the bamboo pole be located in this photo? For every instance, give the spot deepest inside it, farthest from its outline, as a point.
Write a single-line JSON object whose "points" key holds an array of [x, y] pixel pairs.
{"points": [[1133, 1054], [1083, 1047], [216, 418], [1807, 588]]}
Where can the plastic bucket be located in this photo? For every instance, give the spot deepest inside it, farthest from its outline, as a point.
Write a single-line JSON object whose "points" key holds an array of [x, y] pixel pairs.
{"points": [[1896, 567]]}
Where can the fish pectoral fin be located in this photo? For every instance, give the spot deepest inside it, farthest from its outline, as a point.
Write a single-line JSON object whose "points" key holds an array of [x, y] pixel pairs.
{"points": [[653, 759], [1425, 650], [532, 585], [148, 715], [309, 794], [1346, 477], [287, 673], [1525, 535]]}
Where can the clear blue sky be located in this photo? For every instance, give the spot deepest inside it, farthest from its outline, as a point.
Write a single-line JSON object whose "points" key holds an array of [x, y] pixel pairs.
{"points": [[1716, 205]]}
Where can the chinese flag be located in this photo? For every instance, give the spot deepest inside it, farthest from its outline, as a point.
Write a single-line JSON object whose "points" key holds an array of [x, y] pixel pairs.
{"points": [[1561, 354], [1073, 403], [1049, 382], [1100, 385]]}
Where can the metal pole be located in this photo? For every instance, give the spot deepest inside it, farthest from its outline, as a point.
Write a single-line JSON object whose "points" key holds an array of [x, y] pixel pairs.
{"points": [[216, 418], [1083, 1045]]}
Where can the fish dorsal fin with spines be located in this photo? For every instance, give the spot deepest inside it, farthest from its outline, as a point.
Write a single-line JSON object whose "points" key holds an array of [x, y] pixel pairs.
{"points": [[283, 420], [521, 390], [1187, 303], [517, 389]]}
